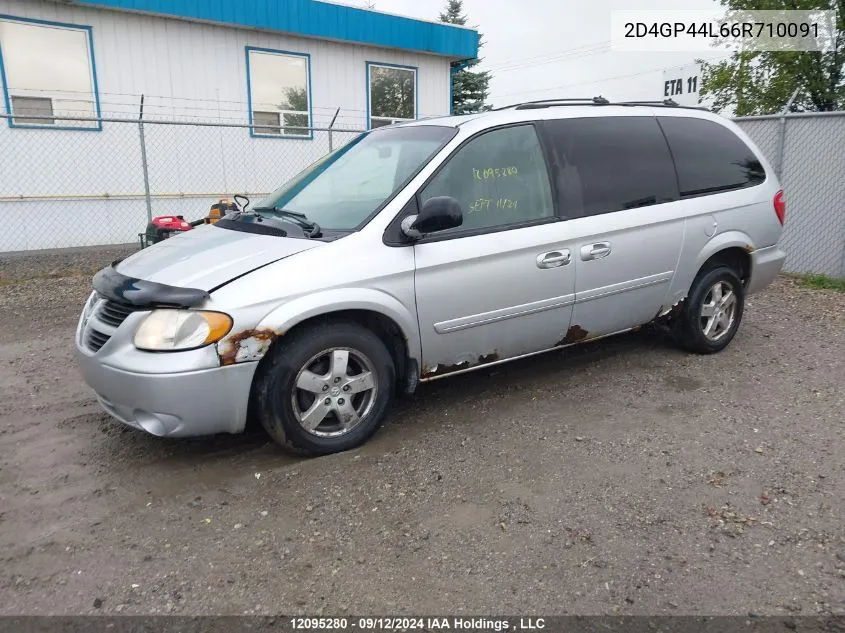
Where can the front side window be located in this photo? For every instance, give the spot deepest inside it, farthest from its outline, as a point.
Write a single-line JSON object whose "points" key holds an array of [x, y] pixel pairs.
{"points": [[607, 164], [342, 190], [709, 157], [392, 94], [499, 178], [49, 72], [279, 96]]}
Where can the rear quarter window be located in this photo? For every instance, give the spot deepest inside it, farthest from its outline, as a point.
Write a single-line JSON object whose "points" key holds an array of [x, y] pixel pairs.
{"points": [[709, 157]]}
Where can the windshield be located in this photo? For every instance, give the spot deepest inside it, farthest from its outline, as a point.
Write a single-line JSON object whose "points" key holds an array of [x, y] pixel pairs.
{"points": [[342, 190]]}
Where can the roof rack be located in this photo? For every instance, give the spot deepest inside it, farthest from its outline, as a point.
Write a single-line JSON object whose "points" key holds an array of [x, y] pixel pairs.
{"points": [[600, 101]]}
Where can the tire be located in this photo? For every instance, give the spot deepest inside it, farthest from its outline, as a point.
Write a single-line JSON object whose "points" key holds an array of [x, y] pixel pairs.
{"points": [[312, 358], [691, 329]]}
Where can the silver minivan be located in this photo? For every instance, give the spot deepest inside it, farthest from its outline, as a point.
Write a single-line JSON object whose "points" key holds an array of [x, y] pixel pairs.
{"points": [[432, 248]]}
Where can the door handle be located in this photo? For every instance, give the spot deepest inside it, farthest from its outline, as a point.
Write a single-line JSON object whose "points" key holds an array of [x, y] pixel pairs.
{"points": [[595, 251], [553, 259]]}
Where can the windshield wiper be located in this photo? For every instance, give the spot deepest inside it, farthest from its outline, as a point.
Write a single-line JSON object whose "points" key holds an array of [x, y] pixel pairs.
{"points": [[309, 227]]}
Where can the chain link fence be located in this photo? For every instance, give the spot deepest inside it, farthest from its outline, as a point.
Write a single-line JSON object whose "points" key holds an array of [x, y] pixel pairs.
{"points": [[87, 187], [61, 188], [807, 150]]}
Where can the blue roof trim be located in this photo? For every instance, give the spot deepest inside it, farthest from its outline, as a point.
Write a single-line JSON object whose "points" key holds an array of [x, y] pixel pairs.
{"points": [[311, 18]]}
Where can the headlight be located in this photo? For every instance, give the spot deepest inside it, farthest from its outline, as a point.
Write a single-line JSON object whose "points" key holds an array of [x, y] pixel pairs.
{"points": [[176, 330]]}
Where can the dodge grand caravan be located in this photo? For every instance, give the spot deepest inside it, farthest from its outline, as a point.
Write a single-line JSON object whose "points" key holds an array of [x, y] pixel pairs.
{"points": [[431, 248]]}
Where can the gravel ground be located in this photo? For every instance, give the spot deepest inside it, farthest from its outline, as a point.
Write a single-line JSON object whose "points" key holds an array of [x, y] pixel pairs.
{"points": [[59, 262], [622, 477]]}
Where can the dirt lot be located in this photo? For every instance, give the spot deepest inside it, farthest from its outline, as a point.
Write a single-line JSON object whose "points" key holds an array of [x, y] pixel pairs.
{"points": [[622, 477]]}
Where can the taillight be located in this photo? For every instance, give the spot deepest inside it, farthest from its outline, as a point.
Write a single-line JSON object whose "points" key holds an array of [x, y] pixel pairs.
{"points": [[780, 207]]}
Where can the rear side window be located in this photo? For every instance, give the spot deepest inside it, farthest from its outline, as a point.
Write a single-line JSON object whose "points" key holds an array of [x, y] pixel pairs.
{"points": [[607, 164], [709, 157]]}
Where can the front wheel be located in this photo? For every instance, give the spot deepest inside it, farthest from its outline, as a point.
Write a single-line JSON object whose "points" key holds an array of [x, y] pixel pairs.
{"points": [[712, 312], [325, 389]]}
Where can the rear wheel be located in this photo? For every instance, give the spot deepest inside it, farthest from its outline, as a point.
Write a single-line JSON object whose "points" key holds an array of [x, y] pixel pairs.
{"points": [[325, 389], [712, 311]]}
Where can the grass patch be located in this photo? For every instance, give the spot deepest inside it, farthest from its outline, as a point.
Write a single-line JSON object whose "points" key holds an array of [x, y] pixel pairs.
{"points": [[823, 282]]}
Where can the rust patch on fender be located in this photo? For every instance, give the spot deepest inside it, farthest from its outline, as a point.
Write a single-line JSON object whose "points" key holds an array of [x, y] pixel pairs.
{"points": [[440, 369], [748, 248], [575, 334], [245, 346]]}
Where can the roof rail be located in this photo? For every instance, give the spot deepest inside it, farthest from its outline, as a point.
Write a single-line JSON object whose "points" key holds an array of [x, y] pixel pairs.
{"points": [[601, 101], [544, 103], [666, 103], [669, 103]]}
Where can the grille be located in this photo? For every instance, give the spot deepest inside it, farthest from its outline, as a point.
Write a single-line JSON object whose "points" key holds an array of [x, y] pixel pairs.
{"points": [[95, 340], [114, 313]]}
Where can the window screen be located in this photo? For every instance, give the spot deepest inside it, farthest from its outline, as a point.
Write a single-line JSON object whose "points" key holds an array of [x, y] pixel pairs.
{"points": [[34, 107], [278, 93], [393, 94], [607, 164], [266, 122], [49, 71], [499, 178], [709, 157]]}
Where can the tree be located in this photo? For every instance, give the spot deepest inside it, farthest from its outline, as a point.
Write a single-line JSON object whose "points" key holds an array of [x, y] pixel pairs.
{"points": [[391, 94], [761, 82], [469, 88], [296, 99]]}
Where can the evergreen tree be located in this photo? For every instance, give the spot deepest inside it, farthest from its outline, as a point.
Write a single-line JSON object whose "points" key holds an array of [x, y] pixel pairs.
{"points": [[469, 88]]}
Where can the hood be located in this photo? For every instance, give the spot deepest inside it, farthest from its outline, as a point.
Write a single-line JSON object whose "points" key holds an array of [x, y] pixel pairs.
{"points": [[207, 257]]}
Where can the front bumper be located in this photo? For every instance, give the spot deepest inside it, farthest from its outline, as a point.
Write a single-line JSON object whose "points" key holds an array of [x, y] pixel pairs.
{"points": [[184, 404], [174, 394], [766, 264]]}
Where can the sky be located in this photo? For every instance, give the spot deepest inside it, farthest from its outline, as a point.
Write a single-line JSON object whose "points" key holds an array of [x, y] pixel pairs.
{"points": [[540, 49]]}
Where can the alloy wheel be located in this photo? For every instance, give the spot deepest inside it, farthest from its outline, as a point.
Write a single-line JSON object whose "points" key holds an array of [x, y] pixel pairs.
{"points": [[718, 310], [334, 391]]}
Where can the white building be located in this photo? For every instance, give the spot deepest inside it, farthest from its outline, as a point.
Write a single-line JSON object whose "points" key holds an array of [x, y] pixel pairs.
{"points": [[276, 67]]}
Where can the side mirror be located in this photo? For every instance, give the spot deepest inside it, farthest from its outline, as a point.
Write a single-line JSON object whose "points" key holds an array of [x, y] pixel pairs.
{"points": [[437, 214]]}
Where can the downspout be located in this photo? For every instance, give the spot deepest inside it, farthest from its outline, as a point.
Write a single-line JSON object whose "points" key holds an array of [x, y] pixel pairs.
{"points": [[454, 70]]}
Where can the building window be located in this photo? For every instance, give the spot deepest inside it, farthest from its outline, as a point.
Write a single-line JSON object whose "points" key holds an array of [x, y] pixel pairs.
{"points": [[48, 71], [279, 93], [392, 94]]}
